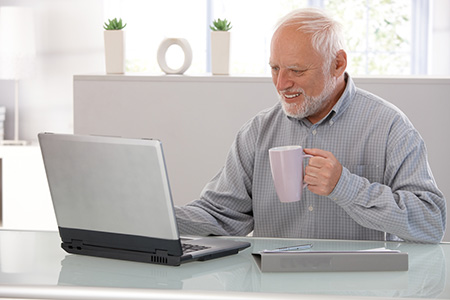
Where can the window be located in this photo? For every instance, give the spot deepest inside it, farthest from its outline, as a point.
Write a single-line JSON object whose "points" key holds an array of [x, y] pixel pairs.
{"points": [[379, 34]]}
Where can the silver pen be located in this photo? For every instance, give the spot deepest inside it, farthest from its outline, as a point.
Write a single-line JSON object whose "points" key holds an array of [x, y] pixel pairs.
{"points": [[296, 248]]}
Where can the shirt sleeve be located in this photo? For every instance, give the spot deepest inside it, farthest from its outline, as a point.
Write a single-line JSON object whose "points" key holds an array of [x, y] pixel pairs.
{"points": [[225, 204], [407, 204]]}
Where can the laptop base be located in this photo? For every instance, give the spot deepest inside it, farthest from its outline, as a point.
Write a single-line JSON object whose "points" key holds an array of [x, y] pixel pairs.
{"points": [[160, 257], [77, 241]]}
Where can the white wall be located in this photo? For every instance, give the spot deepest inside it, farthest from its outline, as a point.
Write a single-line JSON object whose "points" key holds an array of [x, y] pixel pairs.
{"points": [[69, 39]]}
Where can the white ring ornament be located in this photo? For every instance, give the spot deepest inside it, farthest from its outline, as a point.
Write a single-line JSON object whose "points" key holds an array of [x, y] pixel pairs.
{"points": [[161, 55]]}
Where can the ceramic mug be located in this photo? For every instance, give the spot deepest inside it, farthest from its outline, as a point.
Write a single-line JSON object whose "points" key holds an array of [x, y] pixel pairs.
{"points": [[286, 164]]}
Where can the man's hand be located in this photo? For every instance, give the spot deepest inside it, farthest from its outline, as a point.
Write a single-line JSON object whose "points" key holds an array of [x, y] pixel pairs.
{"points": [[323, 172]]}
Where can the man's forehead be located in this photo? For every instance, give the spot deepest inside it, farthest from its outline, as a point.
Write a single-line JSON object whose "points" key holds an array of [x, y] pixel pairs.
{"points": [[293, 59], [292, 49]]}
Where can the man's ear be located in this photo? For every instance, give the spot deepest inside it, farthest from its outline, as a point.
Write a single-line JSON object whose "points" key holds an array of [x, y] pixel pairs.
{"points": [[340, 63]]}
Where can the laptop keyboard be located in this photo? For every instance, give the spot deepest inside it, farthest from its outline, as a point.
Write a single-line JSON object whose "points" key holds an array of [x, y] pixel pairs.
{"points": [[187, 248]]}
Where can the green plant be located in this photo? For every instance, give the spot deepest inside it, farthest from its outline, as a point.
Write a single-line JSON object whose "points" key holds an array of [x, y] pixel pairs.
{"points": [[114, 24], [220, 25]]}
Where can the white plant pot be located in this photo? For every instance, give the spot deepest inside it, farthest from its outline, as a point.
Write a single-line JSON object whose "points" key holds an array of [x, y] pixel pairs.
{"points": [[220, 52], [115, 51]]}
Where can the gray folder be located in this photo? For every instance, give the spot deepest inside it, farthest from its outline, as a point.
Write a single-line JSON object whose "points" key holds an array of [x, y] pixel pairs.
{"points": [[332, 261]]}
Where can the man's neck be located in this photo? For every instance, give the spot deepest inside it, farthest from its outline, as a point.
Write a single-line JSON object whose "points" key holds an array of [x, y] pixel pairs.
{"points": [[334, 98]]}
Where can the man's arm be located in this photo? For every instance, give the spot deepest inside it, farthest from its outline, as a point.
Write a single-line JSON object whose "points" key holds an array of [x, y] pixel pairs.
{"points": [[408, 204], [225, 204]]}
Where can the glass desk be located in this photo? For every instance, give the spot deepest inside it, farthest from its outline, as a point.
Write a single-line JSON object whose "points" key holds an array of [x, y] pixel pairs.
{"points": [[33, 266]]}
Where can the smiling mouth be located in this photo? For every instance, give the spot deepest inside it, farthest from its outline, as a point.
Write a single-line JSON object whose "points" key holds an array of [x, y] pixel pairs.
{"points": [[288, 97]]}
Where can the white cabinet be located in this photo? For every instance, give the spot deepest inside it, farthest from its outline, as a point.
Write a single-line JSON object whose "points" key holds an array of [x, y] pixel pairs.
{"points": [[26, 202]]}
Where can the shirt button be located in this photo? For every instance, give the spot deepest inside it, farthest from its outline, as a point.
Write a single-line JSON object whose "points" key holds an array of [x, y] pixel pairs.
{"points": [[310, 208], [314, 132]]}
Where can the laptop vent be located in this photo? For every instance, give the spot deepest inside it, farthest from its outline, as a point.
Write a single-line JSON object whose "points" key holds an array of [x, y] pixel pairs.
{"points": [[158, 260]]}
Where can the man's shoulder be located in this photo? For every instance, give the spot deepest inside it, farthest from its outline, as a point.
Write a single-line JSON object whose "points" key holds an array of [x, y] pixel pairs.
{"points": [[367, 100], [373, 107], [275, 110], [271, 117], [267, 115]]}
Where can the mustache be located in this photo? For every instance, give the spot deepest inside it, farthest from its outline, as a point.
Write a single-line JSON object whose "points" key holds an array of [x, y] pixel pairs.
{"points": [[292, 90]]}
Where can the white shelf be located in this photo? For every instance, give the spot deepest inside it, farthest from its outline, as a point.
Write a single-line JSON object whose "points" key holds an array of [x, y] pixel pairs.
{"points": [[173, 78]]}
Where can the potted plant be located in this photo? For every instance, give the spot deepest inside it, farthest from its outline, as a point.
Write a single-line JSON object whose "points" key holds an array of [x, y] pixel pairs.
{"points": [[220, 47], [114, 46]]}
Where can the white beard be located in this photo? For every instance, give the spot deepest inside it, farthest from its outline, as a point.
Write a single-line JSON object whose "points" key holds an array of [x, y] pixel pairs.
{"points": [[310, 105]]}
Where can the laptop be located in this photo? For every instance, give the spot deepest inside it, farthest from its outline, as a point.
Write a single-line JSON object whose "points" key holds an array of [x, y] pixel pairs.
{"points": [[112, 199]]}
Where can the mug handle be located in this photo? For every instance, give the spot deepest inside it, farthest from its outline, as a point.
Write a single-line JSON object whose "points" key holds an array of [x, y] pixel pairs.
{"points": [[306, 156]]}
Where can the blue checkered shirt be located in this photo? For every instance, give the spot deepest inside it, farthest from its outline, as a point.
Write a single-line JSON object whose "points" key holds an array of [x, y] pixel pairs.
{"points": [[386, 190]]}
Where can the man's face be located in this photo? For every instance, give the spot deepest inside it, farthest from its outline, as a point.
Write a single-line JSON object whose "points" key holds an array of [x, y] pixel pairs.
{"points": [[298, 75]]}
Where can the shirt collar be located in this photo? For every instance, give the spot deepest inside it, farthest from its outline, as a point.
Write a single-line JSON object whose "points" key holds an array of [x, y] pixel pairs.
{"points": [[346, 98]]}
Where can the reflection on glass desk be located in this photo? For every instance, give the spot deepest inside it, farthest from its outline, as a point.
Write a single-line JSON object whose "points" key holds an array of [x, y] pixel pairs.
{"points": [[34, 259]]}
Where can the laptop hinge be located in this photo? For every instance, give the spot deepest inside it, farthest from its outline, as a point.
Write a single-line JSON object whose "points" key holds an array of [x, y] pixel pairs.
{"points": [[161, 252]]}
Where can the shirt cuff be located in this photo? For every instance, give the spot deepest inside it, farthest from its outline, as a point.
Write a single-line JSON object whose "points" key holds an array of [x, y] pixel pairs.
{"points": [[345, 191]]}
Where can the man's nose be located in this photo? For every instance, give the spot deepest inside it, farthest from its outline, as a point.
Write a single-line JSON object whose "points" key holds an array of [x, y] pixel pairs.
{"points": [[283, 80]]}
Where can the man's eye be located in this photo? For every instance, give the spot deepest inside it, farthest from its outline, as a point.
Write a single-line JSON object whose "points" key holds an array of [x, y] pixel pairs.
{"points": [[298, 72], [275, 69]]}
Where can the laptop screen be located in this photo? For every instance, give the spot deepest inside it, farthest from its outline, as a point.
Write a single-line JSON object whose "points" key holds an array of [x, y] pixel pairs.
{"points": [[108, 184]]}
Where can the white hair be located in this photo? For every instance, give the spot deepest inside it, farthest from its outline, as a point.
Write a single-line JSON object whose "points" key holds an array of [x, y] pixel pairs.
{"points": [[326, 33]]}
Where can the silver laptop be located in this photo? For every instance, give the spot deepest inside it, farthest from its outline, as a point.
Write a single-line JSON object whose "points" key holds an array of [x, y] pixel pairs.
{"points": [[112, 199]]}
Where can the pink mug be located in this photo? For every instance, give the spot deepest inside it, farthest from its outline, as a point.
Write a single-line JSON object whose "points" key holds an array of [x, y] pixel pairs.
{"points": [[286, 164]]}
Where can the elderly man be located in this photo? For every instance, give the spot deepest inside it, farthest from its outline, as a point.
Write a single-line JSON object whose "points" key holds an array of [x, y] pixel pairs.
{"points": [[369, 177]]}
